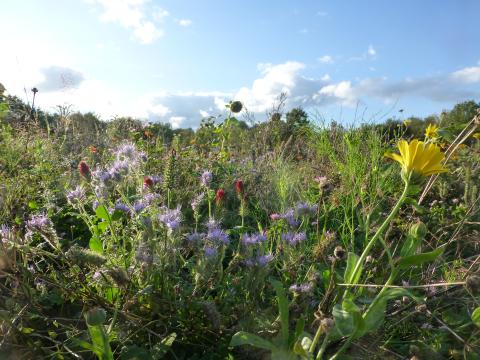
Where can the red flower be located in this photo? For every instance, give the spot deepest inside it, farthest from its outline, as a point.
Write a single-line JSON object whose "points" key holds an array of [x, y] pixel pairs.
{"points": [[239, 187], [219, 195], [147, 181], [84, 170]]}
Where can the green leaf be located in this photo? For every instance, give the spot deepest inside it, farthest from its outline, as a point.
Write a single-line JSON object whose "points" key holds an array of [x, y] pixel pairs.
{"points": [[348, 319], [33, 205], [102, 212], [244, 338], [103, 226], [282, 310], [476, 316], [410, 246], [419, 259], [95, 244], [299, 326], [376, 314], [135, 352], [352, 260]]}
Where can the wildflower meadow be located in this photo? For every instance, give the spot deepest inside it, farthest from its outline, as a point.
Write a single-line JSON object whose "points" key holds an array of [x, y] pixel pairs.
{"points": [[276, 240]]}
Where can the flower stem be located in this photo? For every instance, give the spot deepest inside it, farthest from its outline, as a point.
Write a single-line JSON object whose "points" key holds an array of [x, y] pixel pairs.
{"points": [[379, 232]]}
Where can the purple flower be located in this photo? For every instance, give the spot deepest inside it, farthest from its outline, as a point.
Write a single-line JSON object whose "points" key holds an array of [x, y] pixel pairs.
{"points": [[39, 222], [275, 217], [321, 180], [156, 179], [294, 238], [122, 207], [303, 209], [253, 239], [6, 233], [301, 289], [249, 263], [194, 237], [171, 218], [264, 259], [101, 175], [206, 178], [289, 217], [218, 235], [197, 201], [209, 251], [139, 206], [76, 196], [149, 198]]}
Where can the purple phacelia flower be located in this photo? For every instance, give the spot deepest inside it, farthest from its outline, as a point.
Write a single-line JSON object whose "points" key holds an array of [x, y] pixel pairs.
{"points": [[6, 233], [171, 218], [206, 178], [263, 260], [197, 201], [39, 222], [76, 196], [301, 289], [218, 235], [194, 237], [139, 206], [253, 239], [209, 251], [122, 207], [289, 217], [303, 209], [149, 198], [294, 238]]}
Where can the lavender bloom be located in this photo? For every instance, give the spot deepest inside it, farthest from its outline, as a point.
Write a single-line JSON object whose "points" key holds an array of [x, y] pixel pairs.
{"points": [[119, 169], [126, 150], [6, 233], [76, 196], [206, 178], [303, 209], [289, 217], [294, 239], [218, 235], [194, 237], [101, 175], [39, 222], [209, 251], [249, 263], [170, 217], [263, 260], [149, 198], [122, 207], [197, 201], [253, 239], [301, 289], [139, 206], [212, 224]]}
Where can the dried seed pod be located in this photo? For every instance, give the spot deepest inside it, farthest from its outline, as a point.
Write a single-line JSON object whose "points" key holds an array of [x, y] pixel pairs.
{"points": [[339, 253]]}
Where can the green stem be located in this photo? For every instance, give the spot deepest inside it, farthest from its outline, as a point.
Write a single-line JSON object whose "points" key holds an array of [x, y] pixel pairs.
{"points": [[379, 232], [323, 347]]}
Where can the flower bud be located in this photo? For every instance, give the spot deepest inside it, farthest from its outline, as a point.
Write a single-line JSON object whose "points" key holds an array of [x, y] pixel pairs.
{"points": [[339, 253], [219, 195], [84, 170], [96, 316], [418, 230], [236, 106], [473, 284], [239, 187]]}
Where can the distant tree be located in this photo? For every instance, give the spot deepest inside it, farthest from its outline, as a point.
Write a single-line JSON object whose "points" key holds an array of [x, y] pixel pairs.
{"points": [[460, 115], [297, 118]]}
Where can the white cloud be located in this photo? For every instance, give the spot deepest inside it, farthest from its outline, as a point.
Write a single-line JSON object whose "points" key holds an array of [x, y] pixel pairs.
{"points": [[370, 54], [160, 14], [184, 22], [325, 59], [467, 75], [57, 78], [132, 15]]}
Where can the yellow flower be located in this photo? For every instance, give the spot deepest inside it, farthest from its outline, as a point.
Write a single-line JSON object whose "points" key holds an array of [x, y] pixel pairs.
{"points": [[476, 135], [418, 158], [431, 132], [407, 122]]}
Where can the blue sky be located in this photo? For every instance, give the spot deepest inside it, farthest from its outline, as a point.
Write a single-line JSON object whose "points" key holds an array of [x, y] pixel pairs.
{"points": [[176, 61]]}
